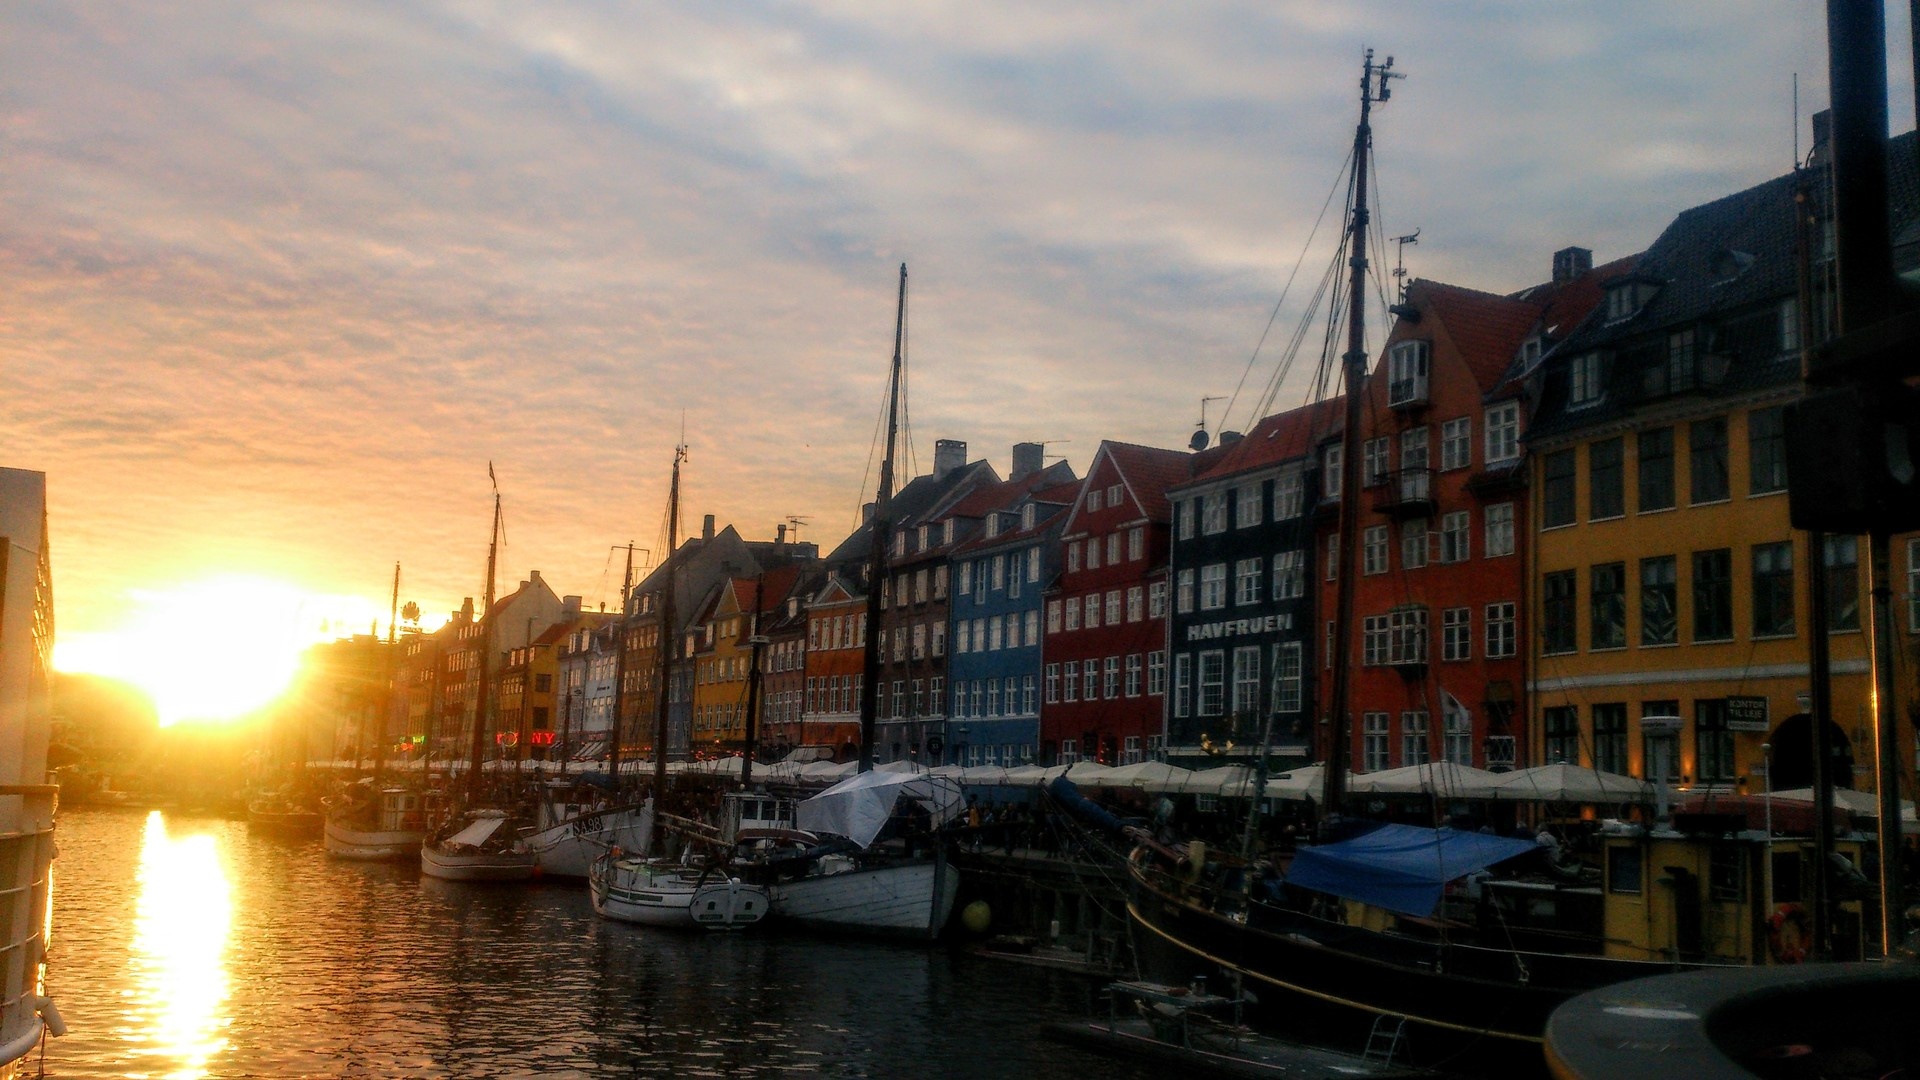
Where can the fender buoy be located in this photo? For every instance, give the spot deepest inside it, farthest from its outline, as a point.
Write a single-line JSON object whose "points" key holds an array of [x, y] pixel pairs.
{"points": [[1789, 932]]}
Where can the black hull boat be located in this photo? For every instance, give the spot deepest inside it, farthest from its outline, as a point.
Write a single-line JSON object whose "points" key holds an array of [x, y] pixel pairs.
{"points": [[1466, 1005]]}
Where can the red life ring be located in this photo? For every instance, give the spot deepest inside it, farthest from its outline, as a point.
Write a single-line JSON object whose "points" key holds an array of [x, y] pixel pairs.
{"points": [[1789, 933]]}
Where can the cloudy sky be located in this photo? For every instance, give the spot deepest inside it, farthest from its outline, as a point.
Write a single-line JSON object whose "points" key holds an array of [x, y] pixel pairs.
{"points": [[281, 279]]}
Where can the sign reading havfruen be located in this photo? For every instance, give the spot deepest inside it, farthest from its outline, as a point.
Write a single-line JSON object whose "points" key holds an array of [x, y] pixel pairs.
{"points": [[1268, 624]]}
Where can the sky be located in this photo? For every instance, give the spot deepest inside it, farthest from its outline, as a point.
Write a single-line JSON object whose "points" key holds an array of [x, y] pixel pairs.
{"points": [[280, 280]]}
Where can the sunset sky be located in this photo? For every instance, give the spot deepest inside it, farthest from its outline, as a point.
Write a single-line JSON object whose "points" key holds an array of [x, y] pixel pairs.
{"points": [[281, 279]]}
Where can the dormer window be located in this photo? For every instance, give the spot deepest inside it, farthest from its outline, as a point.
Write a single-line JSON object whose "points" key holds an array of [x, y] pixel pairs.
{"points": [[922, 538], [1407, 366], [1624, 298], [993, 525], [900, 543], [1027, 515], [1586, 380], [946, 531], [1530, 351]]}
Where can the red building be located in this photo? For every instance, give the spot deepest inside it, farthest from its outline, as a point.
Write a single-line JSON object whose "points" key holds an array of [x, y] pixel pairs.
{"points": [[1440, 634], [1104, 648], [835, 660]]}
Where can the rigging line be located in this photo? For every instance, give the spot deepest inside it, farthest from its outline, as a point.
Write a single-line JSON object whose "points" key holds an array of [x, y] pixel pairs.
{"points": [[1291, 356], [1378, 221], [1284, 290]]}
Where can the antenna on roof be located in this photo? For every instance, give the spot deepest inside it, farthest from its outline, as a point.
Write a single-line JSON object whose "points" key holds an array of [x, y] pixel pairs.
{"points": [[794, 521], [1199, 440], [1044, 443], [1400, 263]]}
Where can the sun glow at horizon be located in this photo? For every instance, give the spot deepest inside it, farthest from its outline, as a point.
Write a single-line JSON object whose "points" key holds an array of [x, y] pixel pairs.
{"points": [[217, 649]]}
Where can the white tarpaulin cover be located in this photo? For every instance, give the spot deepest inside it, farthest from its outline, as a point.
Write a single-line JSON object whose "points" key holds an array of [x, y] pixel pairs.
{"points": [[1562, 782], [1447, 779], [486, 823], [859, 806]]}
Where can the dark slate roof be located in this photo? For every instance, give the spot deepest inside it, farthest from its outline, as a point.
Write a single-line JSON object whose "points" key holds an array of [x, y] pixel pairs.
{"points": [[922, 498], [1721, 268], [1281, 437]]}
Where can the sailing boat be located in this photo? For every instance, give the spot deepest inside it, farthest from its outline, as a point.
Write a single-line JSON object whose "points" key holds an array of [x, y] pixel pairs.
{"points": [[828, 874], [481, 843], [372, 820]]}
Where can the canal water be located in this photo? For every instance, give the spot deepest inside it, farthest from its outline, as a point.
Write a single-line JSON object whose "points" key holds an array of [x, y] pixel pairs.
{"points": [[189, 947]]}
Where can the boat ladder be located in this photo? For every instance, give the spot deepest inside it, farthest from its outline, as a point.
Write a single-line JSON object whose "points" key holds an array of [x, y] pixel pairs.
{"points": [[1383, 1042]]}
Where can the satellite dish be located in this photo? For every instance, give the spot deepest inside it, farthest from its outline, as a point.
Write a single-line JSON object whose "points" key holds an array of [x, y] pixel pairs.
{"points": [[1199, 440]]}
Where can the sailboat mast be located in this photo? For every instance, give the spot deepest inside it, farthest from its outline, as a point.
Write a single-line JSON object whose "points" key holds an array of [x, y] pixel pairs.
{"points": [[881, 533], [667, 636], [1354, 371], [386, 706], [476, 752], [756, 648], [620, 669]]}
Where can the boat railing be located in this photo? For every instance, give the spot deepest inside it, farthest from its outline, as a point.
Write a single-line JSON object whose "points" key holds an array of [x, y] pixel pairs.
{"points": [[27, 849]]}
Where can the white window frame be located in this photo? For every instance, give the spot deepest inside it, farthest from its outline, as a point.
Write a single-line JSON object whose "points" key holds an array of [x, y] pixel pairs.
{"points": [[1213, 513], [1502, 629], [1213, 586], [1499, 529], [1289, 574], [1503, 432], [1413, 543], [1373, 550], [1456, 634], [1456, 536], [1456, 443], [1246, 581], [1247, 506], [1288, 677], [1289, 494]]}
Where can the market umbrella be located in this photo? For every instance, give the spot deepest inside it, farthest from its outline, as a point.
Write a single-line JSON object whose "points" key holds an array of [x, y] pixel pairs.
{"points": [[1565, 783]]}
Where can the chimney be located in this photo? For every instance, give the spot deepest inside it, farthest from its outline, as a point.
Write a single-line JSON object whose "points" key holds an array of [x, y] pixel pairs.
{"points": [[570, 604], [948, 455], [706, 527], [780, 534], [466, 609], [1228, 438], [1028, 458], [1569, 263], [866, 512]]}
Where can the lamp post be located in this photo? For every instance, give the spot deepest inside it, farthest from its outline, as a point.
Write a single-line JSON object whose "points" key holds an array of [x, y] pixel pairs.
{"points": [[1766, 754]]}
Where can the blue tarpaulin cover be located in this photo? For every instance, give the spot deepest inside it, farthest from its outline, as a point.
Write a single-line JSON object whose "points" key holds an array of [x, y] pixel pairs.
{"points": [[1401, 868]]}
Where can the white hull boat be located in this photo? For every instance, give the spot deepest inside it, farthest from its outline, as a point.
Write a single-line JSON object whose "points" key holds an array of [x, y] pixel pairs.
{"points": [[575, 835], [636, 890], [911, 898], [479, 846], [359, 830]]}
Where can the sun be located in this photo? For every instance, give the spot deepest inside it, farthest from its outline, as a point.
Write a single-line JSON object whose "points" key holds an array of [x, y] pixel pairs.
{"points": [[217, 649]]}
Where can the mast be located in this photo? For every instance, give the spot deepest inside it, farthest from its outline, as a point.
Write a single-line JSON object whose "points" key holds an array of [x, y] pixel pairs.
{"points": [[620, 668], [1354, 372], [757, 643], [667, 635], [386, 706], [476, 751], [881, 532]]}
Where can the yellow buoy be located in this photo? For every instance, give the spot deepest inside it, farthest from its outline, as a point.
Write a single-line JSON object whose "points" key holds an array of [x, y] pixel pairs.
{"points": [[976, 917]]}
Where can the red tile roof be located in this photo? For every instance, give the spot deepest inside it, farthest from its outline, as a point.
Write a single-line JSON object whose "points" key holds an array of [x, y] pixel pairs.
{"points": [[1280, 437], [1148, 471]]}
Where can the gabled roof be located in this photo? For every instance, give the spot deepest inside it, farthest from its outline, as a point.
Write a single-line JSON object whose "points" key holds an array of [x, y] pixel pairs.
{"points": [[1059, 496], [1485, 329], [1147, 472], [921, 499], [1278, 438]]}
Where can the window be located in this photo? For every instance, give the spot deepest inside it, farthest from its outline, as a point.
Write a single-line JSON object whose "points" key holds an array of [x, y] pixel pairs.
{"points": [[1289, 575], [966, 578], [1333, 557], [1557, 491], [1560, 726], [1090, 680], [1457, 736], [993, 697], [1413, 543], [1656, 470], [1156, 673], [1136, 603], [1027, 515], [1013, 576], [1289, 494], [1133, 675], [1213, 513], [1113, 549], [1659, 621], [1843, 582], [1113, 607], [919, 641], [1586, 380], [1136, 543], [1133, 754], [1503, 432], [1658, 746], [1789, 327], [1624, 870], [980, 583], [1712, 742], [1607, 599], [1183, 592], [1557, 610], [1012, 632], [1502, 629], [1373, 550], [1246, 680], [1073, 613], [1113, 496], [1213, 587], [1184, 516], [1053, 683], [1767, 450], [1377, 462], [1246, 580], [1407, 373], [1213, 675], [1247, 506], [940, 583], [1287, 677], [1606, 480], [1156, 600], [1375, 640], [1682, 366], [1414, 747], [1499, 529], [1373, 742], [1027, 704], [1456, 536], [1456, 634], [1095, 499], [1093, 610], [1773, 590], [1093, 553], [1398, 637], [1330, 466], [1416, 481], [1053, 620], [1070, 679], [1456, 443], [1610, 738], [1707, 460], [1713, 595]]}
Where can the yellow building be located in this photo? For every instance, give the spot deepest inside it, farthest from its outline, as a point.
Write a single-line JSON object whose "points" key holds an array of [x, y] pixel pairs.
{"points": [[1669, 603]]}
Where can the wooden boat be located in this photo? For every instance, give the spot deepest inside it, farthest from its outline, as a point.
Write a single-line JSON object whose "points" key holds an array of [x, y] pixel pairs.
{"points": [[571, 834], [371, 823], [479, 845], [656, 893], [282, 815]]}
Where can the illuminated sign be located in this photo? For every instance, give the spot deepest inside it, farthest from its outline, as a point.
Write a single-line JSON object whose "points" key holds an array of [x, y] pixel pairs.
{"points": [[1269, 624]]}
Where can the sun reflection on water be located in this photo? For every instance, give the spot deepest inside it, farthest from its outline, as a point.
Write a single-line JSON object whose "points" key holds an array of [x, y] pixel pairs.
{"points": [[181, 923]]}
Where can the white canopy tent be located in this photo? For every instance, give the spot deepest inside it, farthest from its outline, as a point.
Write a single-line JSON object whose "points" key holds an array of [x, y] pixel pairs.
{"points": [[1446, 779], [859, 806], [1561, 782]]}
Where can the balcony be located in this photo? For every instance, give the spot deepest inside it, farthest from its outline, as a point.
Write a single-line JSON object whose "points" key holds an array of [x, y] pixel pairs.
{"points": [[1408, 493], [1408, 394]]}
